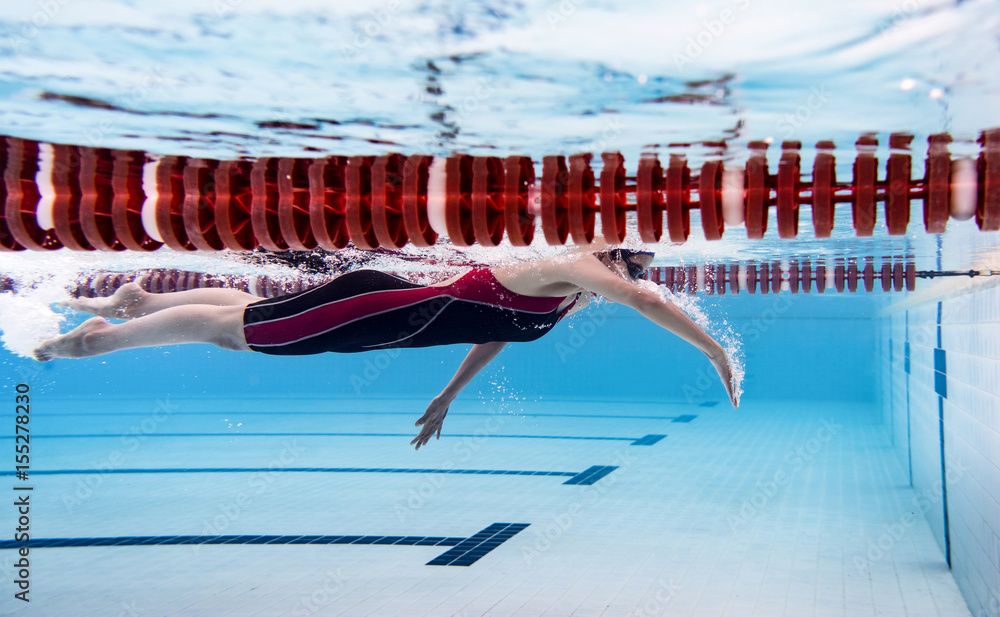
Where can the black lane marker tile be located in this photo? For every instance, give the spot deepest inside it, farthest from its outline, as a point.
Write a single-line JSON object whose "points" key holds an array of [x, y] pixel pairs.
{"points": [[591, 475], [233, 540], [231, 435], [465, 551], [496, 472], [940, 373], [474, 548], [648, 440], [684, 418], [285, 414]]}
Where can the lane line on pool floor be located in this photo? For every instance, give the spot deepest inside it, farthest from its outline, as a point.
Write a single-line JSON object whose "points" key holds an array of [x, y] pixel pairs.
{"points": [[464, 551], [285, 414], [586, 477], [645, 440]]}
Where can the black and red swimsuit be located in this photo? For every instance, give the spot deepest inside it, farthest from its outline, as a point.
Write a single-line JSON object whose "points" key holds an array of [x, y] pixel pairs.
{"points": [[367, 310]]}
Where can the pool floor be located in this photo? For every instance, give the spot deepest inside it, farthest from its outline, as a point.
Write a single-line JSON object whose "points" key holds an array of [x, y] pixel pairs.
{"points": [[779, 508]]}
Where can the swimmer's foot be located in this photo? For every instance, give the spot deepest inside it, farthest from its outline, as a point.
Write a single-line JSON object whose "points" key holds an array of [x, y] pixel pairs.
{"points": [[73, 343], [122, 305]]}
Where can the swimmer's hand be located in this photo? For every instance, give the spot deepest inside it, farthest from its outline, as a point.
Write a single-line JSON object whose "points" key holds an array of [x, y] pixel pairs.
{"points": [[720, 361], [432, 420]]}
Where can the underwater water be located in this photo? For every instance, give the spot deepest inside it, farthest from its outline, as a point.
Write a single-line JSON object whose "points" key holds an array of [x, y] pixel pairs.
{"points": [[596, 471]]}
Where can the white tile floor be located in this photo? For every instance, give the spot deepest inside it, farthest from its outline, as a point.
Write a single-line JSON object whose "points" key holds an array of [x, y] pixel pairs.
{"points": [[776, 509]]}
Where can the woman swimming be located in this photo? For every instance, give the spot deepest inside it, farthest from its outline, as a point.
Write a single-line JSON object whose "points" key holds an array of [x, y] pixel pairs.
{"points": [[367, 310]]}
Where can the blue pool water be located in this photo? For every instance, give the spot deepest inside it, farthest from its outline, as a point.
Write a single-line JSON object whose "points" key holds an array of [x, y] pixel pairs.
{"points": [[596, 471]]}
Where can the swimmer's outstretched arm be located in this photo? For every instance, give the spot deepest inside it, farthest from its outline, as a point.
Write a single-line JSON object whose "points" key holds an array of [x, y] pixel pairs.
{"points": [[479, 356], [591, 274]]}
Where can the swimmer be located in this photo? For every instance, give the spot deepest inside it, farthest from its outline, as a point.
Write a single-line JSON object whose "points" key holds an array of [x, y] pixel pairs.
{"points": [[368, 310]]}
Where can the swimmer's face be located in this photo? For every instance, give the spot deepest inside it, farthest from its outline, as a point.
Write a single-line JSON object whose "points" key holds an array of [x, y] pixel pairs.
{"points": [[633, 266]]}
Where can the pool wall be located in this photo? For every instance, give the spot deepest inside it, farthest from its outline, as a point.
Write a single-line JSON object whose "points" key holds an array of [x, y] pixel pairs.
{"points": [[940, 374]]}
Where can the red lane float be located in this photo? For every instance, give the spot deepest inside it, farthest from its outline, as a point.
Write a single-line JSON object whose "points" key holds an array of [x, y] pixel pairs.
{"points": [[679, 279], [937, 184], [96, 199], [865, 176], [519, 221], [757, 191], [897, 199], [20, 197], [770, 277], [988, 165], [788, 190], [678, 199], [581, 199], [710, 199], [387, 202], [555, 219], [613, 197], [649, 198], [418, 227], [824, 180]]}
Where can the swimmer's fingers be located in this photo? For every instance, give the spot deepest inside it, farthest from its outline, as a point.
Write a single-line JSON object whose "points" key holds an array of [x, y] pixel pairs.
{"points": [[722, 367], [432, 420]]}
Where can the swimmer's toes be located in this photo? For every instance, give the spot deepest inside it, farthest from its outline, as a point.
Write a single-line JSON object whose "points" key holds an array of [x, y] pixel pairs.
{"points": [[41, 353]]}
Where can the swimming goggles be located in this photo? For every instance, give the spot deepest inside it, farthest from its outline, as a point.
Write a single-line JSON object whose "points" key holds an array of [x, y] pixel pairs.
{"points": [[635, 269]]}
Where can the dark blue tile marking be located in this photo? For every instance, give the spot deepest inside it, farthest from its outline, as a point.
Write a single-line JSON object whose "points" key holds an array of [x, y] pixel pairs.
{"points": [[466, 551], [575, 478], [496, 472], [648, 440], [684, 418], [941, 387], [285, 414], [472, 549], [906, 351], [177, 540], [940, 373], [591, 475], [231, 435], [709, 404]]}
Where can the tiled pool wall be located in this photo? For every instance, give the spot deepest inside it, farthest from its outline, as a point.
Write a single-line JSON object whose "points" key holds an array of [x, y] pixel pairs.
{"points": [[940, 377]]}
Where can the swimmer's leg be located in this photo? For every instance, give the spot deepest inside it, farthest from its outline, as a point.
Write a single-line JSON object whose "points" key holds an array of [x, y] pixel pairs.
{"points": [[197, 323], [131, 301]]}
